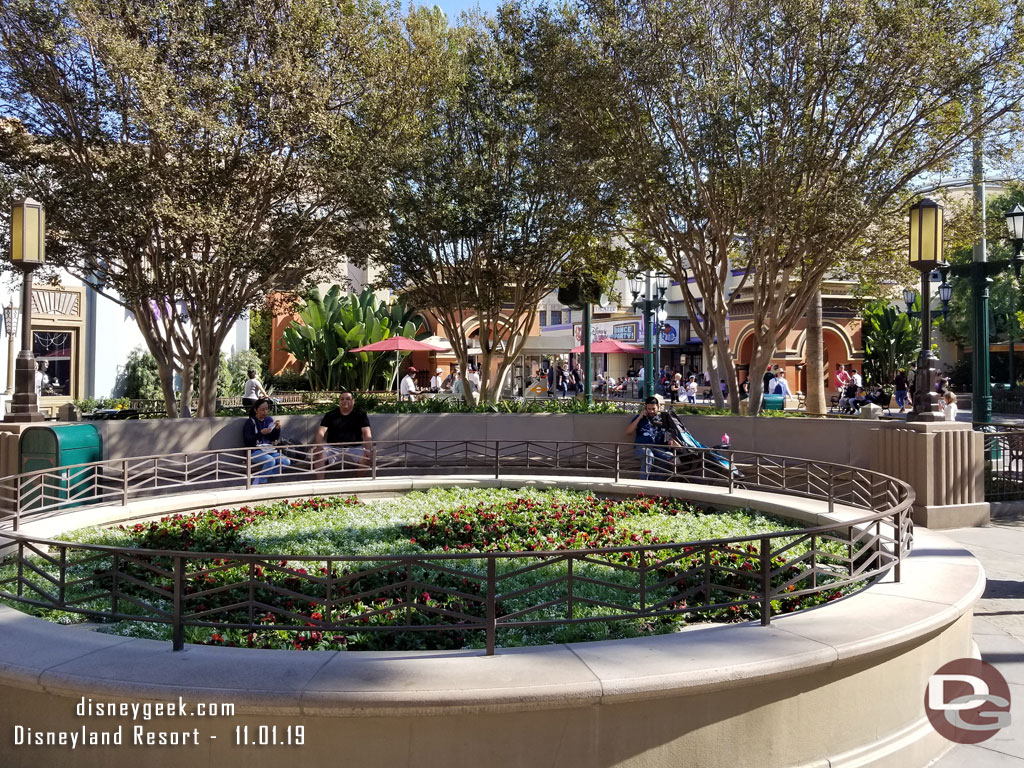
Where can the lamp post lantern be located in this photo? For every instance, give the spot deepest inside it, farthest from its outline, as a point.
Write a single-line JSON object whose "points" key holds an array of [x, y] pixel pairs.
{"points": [[28, 251], [925, 255]]}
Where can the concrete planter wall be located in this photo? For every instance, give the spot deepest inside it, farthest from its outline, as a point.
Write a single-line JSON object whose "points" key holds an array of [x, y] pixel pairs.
{"points": [[943, 461]]}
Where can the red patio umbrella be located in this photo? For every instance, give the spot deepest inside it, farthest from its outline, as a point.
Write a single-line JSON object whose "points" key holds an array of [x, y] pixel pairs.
{"points": [[609, 347], [397, 344]]}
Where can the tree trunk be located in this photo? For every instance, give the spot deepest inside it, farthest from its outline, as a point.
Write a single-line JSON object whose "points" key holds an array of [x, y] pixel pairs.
{"points": [[187, 372], [167, 386], [815, 363], [715, 376], [760, 357], [209, 373]]}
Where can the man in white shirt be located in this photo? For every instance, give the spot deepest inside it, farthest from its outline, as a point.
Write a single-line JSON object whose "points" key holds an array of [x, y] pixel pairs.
{"points": [[473, 376], [781, 386], [437, 380], [856, 378], [407, 388]]}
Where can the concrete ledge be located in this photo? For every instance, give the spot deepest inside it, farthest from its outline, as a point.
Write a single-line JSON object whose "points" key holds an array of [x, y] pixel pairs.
{"points": [[840, 685]]}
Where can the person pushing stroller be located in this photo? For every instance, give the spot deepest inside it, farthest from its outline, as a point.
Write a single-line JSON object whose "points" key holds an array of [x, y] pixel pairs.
{"points": [[652, 444]]}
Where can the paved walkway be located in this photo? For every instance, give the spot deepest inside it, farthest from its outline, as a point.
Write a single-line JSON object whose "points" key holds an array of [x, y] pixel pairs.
{"points": [[999, 632]]}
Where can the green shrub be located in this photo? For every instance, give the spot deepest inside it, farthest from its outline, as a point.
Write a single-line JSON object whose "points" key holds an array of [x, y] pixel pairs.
{"points": [[139, 379], [238, 366]]}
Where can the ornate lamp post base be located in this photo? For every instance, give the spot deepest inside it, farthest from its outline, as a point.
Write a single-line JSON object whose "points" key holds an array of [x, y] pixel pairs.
{"points": [[24, 403], [926, 399]]}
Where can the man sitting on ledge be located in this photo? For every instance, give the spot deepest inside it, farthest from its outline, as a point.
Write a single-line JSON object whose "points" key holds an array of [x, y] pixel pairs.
{"points": [[344, 424]]}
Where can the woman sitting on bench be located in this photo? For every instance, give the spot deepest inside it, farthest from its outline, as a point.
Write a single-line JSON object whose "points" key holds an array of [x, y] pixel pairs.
{"points": [[261, 432]]}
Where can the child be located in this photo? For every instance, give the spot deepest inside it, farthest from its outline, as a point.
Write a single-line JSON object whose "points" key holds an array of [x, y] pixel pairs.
{"points": [[949, 405]]}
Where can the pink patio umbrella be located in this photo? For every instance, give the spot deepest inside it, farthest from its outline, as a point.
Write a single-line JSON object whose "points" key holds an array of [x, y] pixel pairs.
{"points": [[397, 344], [609, 347]]}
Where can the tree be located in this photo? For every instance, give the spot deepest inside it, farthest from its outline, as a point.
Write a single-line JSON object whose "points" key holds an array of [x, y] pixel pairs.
{"points": [[195, 156], [771, 135], [1004, 292], [490, 207]]}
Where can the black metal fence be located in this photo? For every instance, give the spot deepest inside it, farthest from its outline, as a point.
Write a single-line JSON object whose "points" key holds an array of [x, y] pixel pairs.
{"points": [[460, 594], [1004, 461]]}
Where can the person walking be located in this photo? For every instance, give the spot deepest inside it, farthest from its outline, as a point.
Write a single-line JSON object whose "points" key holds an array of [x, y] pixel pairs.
{"points": [[253, 390], [780, 386], [841, 379], [691, 390], [899, 383]]}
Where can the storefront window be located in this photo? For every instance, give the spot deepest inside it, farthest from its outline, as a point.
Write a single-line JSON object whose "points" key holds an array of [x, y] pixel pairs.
{"points": [[53, 351]]}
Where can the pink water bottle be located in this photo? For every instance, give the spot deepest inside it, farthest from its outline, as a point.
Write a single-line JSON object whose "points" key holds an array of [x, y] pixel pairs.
{"points": [[725, 440]]}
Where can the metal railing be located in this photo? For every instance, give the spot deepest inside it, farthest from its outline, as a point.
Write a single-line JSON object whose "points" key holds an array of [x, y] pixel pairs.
{"points": [[1004, 461], [454, 593]]}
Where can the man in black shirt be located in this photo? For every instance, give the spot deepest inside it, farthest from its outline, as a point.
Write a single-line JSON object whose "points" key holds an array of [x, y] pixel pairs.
{"points": [[344, 424]]}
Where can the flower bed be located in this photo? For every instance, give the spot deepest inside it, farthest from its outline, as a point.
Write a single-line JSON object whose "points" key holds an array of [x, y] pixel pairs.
{"points": [[375, 594]]}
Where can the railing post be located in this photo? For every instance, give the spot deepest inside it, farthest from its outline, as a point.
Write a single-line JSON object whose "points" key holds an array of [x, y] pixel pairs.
{"points": [[766, 581], [124, 482], [831, 489], [248, 469], [373, 462], [898, 542], [252, 594], [729, 457], [177, 620], [497, 457], [491, 617], [814, 562], [17, 504], [62, 589], [568, 572], [328, 611], [643, 581], [617, 462], [114, 602]]}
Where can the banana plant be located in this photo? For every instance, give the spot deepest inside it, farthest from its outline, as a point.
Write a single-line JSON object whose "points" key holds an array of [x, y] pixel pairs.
{"points": [[330, 326]]}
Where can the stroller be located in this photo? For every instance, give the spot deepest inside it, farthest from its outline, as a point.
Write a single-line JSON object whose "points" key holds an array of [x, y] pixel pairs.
{"points": [[693, 462]]}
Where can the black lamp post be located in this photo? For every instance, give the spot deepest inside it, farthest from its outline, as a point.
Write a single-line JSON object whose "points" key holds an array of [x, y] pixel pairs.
{"points": [[28, 251], [925, 255], [649, 294]]}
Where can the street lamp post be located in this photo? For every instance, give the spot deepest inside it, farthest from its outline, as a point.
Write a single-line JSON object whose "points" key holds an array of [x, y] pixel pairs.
{"points": [[649, 294], [28, 251], [980, 274], [11, 324], [925, 255]]}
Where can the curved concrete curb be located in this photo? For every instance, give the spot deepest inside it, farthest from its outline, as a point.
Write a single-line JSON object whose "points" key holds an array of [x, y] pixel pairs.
{"points": [[841, 685]]}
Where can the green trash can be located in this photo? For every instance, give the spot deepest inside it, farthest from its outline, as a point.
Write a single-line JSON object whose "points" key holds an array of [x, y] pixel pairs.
{"points": [[773, 403], [62, 446]]}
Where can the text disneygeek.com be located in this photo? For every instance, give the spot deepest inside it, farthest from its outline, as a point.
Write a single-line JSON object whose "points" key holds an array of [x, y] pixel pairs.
{"points": [[167, 733]]}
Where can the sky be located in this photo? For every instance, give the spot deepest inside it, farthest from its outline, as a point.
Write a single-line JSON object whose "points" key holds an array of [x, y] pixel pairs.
{"points": [[453, 7]]}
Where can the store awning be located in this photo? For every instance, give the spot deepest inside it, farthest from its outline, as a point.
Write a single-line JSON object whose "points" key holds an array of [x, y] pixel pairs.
{"points": [[548, 344]]}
